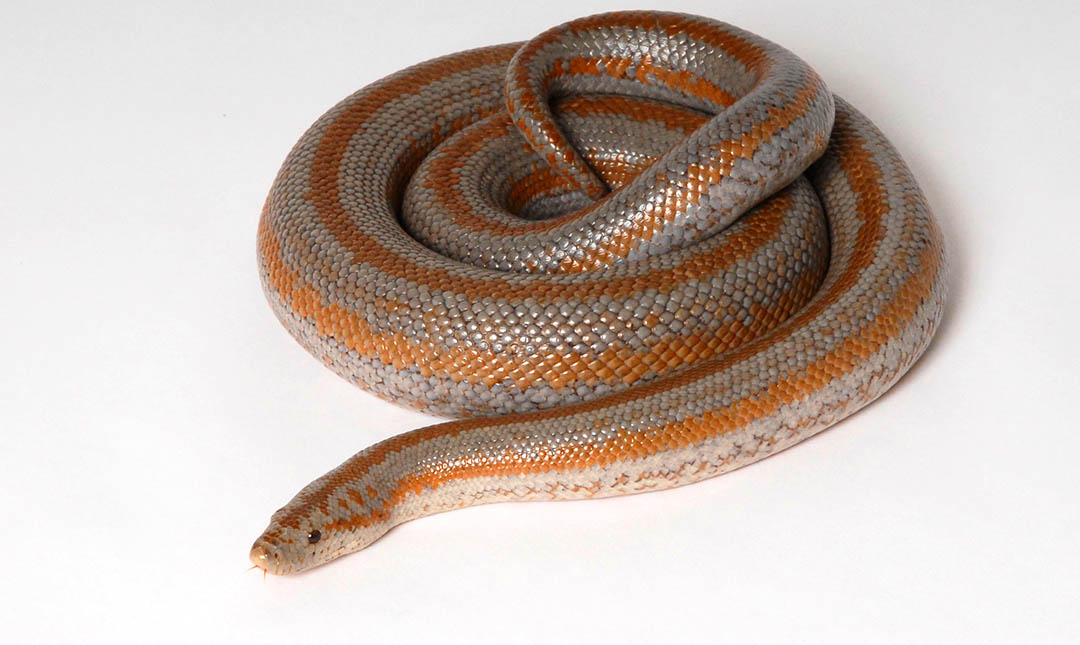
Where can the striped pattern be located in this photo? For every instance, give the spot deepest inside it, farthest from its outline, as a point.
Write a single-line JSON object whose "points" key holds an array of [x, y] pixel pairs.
{"points": [[604, 236]]}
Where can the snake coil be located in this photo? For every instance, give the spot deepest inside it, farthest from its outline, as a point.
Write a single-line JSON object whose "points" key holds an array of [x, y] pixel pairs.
{"points": [[637, 251]]}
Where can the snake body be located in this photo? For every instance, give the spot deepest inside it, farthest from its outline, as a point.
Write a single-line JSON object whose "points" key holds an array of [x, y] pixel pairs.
{"points": [[638, 251]]}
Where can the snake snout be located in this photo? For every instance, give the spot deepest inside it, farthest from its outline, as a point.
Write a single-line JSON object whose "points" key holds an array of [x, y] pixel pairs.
{"points": [[265, 557]]}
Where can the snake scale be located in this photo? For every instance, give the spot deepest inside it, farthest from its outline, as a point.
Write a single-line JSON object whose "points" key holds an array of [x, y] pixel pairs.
{"points": [[638, 251]]}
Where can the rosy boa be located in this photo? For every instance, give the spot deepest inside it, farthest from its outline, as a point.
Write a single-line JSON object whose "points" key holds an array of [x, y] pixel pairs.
{"points": [[637, 251]]}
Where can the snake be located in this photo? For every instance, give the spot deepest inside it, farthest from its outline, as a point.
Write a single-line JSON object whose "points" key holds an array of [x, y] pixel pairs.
{"points": [[637, 251]]}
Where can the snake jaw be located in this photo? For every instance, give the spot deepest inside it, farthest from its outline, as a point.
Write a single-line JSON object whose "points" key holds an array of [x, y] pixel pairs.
{"points": [[266, 558], [279, 554]]}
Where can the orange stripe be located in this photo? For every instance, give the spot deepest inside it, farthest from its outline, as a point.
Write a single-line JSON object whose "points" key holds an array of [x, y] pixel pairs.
{"points": [[545, 365], [682, 434], [864, 179], [699, 177], [646, 72], [443, 182], [752, 57]]}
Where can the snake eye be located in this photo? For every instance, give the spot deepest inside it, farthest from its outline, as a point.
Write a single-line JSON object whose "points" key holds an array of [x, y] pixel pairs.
{"points": [[314, 537]]}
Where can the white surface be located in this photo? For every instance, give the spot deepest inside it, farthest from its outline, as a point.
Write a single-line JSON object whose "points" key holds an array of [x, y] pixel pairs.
{"points": [[154, 412]]}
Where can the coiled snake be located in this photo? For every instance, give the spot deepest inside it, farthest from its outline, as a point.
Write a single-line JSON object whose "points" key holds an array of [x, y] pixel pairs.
{"points": [[637, 251]]}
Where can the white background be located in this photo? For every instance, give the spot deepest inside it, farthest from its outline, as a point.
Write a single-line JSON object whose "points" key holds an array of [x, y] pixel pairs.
{"points": [[154, 413]]}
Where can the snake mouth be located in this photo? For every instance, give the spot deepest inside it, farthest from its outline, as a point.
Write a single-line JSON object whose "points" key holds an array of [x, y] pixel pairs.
{"points": [[267, 558]]}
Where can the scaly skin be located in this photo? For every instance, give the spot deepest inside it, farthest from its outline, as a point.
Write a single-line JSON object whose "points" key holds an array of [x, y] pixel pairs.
{"points": [[679, 300]]}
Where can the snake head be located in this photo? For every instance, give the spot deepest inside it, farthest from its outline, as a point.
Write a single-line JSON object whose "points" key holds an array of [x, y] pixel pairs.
{"points": [[329, 518], [283, 550]]}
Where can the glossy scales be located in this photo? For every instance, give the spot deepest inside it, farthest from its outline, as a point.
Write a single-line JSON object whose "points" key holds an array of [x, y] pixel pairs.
{"points": [[613, 238]]}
